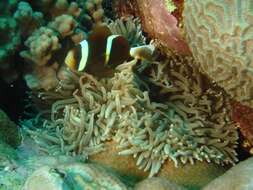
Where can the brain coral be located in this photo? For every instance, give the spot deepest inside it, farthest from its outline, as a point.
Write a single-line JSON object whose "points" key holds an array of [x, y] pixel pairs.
{"points": [[220, 35]]}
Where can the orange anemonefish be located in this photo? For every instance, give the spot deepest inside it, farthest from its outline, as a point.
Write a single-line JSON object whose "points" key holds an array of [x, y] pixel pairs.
{"points": [[102, 52]]}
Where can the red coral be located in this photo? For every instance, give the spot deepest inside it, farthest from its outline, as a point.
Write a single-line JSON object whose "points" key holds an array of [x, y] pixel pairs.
{"points": [[244, 116], [161, 25]]}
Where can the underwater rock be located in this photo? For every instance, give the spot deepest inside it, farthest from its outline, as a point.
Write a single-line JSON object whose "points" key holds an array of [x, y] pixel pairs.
{"points": [[14, 171], [73, 176], [220, 35], [238, 177], [9, 131], [8, 178], [188, 175], [157, 183], [7, 153]]}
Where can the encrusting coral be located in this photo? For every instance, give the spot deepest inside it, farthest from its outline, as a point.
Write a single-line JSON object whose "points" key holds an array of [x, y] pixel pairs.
{"points": [[220, 37]]}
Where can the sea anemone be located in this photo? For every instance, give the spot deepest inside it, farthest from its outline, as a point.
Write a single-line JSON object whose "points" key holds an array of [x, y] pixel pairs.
{"points": [[130, 28], [115, 109]]}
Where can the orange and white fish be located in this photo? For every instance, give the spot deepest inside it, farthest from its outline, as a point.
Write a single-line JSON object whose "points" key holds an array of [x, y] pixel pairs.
{"points": [[103, 51]]}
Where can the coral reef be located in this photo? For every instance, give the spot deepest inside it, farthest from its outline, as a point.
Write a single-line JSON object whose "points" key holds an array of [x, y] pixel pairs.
{"points": [[9, 132], [238, 178], [220, 37], [153, 117], [73, 176]]}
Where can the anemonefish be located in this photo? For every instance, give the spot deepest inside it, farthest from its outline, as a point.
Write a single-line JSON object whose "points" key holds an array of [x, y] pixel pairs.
{"points": [[102, 52]]}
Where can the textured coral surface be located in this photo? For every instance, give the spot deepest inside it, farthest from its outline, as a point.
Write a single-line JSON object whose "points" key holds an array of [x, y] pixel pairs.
{"points": [[220, 35]]}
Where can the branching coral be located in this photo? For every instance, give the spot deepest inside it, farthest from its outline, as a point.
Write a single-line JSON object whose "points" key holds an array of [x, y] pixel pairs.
{"points": [[30, 20], [27, 19], [45, 49], [92, 14], [41, 45], [220, 37], [9, 43], [54, 8]]}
